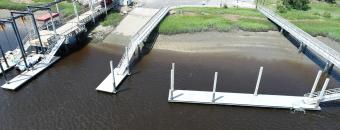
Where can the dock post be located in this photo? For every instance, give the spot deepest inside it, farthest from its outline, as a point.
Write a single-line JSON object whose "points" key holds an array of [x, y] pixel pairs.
{"points": [[322, 92], [52, 21], [258, 81], [56, 6], [214, 87], [105, 6], [4, 56], [21, 46], [36, 30], [75, 10], [315, 84], [302, 47], [113, 77], [127, 58], [3, 73], [172, 81], [328, 67], [91, 8]]}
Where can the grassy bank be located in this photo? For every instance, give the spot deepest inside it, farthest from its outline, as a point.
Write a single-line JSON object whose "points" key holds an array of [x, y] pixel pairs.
{"points": [[66, 8], [322, 19], [220, 19], [112, 19], [7, 4]]}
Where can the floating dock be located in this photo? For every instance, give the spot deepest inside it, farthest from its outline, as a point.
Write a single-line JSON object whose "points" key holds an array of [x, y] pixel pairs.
{"points": [[25, 76], [241, 99], [306, 102]]}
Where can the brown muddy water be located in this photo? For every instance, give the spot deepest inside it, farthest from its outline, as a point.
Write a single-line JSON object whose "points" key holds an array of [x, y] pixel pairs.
{"points": [[64, 96]]}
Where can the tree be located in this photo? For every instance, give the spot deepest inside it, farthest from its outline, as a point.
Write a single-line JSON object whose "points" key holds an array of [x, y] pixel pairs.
{"points": [[296, 4]]}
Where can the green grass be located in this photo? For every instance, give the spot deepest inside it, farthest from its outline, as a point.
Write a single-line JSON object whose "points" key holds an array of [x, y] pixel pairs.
{"points": [[112, 19], [65, 7], [219, 19], [315, 21], [7, 4]]}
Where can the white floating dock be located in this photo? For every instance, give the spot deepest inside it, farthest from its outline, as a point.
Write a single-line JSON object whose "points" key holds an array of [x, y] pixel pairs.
{"points": [[296, 103], [241, 99], [107, 84], [27, 75]]}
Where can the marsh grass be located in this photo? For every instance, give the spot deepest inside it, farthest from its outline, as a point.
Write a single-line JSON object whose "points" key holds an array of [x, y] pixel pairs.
{"points": [[219, 19], [112, 19]]}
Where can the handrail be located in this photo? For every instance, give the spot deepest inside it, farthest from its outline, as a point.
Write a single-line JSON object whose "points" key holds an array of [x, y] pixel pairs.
{"points": [[316, 45]]}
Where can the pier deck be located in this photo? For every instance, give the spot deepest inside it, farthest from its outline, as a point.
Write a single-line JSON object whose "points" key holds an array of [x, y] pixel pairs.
{"points": [[241, 99]]}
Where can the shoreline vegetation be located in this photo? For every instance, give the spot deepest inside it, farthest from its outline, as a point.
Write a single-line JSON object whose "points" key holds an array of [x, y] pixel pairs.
{"points": [[66, 7], [322, 19], [194, 19]]}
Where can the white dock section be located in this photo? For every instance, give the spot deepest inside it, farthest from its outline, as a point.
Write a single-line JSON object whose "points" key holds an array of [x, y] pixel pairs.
{"points": [[242, 99], [299, 103], [314, 44], [27, 75], [122, 70]]}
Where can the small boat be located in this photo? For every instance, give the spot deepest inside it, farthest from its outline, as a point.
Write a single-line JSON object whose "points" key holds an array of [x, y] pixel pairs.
{"points": [[31, 61]]}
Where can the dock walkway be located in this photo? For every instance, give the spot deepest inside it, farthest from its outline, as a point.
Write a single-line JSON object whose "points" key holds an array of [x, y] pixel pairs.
{"points": [[311, 42]]}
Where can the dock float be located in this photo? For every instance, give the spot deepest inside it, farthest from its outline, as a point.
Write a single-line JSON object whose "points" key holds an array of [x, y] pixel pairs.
{"points": [[248, 99]]}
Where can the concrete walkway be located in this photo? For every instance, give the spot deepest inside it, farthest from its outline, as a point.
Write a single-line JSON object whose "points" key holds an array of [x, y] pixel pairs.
{"points": [[130, 25]]}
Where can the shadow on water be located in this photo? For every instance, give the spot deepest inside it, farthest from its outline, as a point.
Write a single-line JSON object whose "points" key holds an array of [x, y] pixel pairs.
{"points": [[313, 57]]}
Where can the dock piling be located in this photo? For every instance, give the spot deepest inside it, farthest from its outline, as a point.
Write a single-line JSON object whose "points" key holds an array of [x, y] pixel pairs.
{"points": [[214, 87], [315, 84], [258, 81], [322, 92], [172, 81], [113, 77], [3, 73]]}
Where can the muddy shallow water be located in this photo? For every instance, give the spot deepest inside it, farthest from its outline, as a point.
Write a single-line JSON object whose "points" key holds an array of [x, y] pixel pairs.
{"points": [[64, 96]]}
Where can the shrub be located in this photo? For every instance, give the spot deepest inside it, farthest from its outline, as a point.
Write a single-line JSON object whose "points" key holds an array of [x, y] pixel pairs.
{"points": [[296, 4], [327, 14]]}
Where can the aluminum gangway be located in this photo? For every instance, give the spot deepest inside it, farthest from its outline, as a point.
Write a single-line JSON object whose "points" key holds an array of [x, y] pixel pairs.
{"points": [[113, 80], [318, 47]]}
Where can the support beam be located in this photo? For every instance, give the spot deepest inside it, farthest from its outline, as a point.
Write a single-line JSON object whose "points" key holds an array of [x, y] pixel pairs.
{"points": [[315, 84], [302, 47], [18, 37], [328, 67], [4, 56], [214, 87], [113, 77], [258, 81]]}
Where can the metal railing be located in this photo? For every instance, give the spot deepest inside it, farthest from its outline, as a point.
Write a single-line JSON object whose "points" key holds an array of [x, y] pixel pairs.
{"points": [[316, 45], [136, 39]]}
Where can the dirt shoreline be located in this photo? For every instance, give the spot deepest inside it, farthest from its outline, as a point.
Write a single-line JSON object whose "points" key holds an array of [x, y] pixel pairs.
{"points": [[260, 45]]}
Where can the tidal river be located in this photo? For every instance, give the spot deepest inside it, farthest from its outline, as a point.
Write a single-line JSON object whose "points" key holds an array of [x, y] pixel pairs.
{"points": [[64, 96]]}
